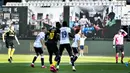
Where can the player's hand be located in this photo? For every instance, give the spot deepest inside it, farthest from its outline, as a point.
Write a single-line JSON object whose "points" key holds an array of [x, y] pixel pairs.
{"points": [[113, 46], [18, 43], [122, 30]]}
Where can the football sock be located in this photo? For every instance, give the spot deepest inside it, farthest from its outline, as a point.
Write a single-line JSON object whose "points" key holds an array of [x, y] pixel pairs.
{"points": [[50, 59], [59, 61], [12, 52], [116, 58], [122, 56], [54, 63], [34, 59], [75, 58], [42, 60], [72, 60], [9, 52]]}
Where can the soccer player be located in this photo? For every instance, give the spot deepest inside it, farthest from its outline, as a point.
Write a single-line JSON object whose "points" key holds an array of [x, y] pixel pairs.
{"points": [[10, 35], [65, 43], [127, 63], [51, 43], [82, 39], [118, 42], [76, 44], [39, 44]]}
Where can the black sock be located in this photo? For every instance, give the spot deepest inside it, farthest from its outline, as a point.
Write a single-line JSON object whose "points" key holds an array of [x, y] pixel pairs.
{"points": [[59, 61], [42, 61], [72, 61], [75, 58], [34, 59]]}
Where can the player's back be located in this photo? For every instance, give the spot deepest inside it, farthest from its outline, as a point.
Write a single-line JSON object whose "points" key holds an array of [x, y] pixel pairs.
{"points": [[64, 35]]}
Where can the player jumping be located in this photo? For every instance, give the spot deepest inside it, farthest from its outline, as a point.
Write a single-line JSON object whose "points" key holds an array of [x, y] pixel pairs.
{"points": [[118, 42], [10, 35], [39, 44], [76, 44], [65, 43]]}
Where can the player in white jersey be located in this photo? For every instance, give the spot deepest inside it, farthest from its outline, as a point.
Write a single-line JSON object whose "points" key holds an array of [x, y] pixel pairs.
{"points": [[76, 44], [65, 43], [82, 39], [39, 44]]}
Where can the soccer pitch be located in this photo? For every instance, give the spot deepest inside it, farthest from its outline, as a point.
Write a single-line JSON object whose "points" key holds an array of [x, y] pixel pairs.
{"points": [[86, 64]]}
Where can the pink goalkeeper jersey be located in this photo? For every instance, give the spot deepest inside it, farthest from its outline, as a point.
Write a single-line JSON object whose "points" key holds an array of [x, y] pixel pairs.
{"points": [[119, 39]]}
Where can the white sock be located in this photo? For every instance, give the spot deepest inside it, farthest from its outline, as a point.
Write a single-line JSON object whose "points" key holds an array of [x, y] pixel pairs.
{"points": [[73, 67], [57, 66]]}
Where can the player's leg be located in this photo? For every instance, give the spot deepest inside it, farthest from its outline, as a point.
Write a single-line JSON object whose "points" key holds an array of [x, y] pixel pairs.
{"points": [[122, 53], [55, 51], [75, 51], [42, 57], [9, 50], [49, 48], [35, 57], [81, 50], [117, 52], [56, 56], [12, 51], [61, 49], [69, 50]]}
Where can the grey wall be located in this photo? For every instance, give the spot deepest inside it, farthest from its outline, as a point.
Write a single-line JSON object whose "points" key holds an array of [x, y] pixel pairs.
{"points": [[102, 48]]}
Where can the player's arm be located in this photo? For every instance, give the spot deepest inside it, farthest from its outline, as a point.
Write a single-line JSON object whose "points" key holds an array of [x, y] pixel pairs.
{"points": [[70, 34], [3, 36], [114, 41], [17, 39], [43, 43], [79, 44], [124, 32]]}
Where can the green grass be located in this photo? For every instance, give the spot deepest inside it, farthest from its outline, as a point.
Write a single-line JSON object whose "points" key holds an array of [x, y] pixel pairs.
{"points": [[87, 64]]}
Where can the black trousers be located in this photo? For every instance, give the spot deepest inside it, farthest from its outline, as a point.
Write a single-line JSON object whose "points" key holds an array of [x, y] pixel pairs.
{"points": [[52, 49]]}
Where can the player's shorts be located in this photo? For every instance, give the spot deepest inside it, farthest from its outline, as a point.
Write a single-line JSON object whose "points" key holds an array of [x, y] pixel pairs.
{"points": [[81, 47], [119, 48], [67, 47], [52, 48], [38, 50], [75, 50], [9, 44]]}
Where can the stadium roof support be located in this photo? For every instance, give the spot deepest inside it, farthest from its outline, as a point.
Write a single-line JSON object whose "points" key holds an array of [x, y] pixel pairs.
{"points": [[48, 3]]}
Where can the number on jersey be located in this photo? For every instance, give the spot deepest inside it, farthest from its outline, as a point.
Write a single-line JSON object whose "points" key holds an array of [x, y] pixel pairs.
{"points": [[64, 34], [51, 36]]}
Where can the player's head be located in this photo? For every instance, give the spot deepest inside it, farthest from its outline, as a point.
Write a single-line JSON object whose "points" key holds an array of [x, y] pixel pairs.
{"points": [[64, 24], [77, 31], [84, 16], [43, 29], [58, 25], [120, 32]]}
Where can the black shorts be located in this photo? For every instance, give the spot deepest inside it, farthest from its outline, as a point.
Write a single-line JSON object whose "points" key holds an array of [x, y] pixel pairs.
{"points": [[75, 50], [38, 50], [9, 44], [52, 48], [119, 48], [67, 47]]}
